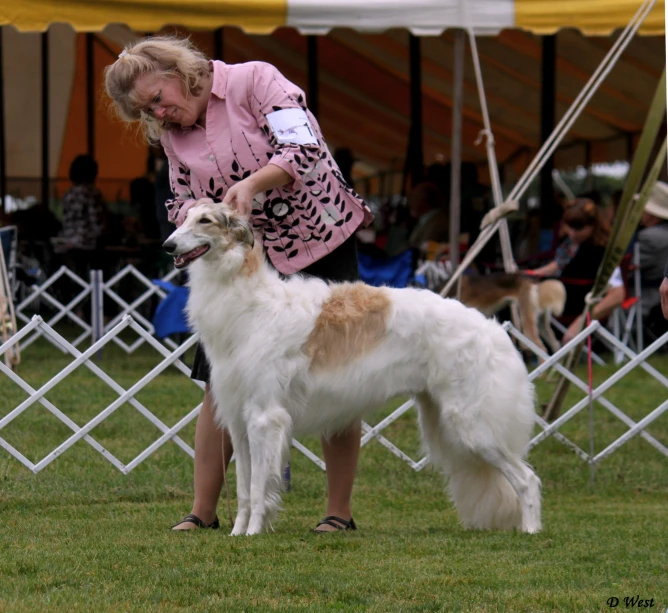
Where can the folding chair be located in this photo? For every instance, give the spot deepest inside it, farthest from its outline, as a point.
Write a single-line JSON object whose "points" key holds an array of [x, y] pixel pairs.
{"points": [[9, 240], [8, 327], [395, 271], [630, 311]]}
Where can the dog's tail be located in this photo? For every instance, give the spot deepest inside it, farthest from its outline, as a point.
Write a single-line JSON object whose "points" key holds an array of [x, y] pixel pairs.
{"points": [[484, 498]]}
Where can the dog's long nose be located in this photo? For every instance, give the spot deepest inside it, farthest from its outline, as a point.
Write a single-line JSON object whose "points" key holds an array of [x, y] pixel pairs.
{"points": [[169, 246]]}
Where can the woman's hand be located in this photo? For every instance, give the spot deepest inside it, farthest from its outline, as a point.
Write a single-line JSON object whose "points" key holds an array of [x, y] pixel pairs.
{"points": [[663, 290], [549, 270], [573, 330], [240, 197]]}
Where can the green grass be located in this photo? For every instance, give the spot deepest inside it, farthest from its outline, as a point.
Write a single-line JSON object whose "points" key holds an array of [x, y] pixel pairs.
{"points": [[79, 536]]}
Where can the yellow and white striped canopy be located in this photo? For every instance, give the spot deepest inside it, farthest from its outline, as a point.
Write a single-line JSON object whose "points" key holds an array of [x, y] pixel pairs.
{"points": [[426, 17], [357, 71]]}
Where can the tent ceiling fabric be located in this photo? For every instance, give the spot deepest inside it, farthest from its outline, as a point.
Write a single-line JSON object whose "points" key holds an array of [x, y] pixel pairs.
{"points": [[428, 17], [365, 92], [260, 16], [421, 17], [364, 84]]}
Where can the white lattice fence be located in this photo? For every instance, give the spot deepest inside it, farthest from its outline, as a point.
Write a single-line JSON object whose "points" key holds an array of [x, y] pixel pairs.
{"points": [[172, 357], [150, 290], [70, 312], [88, 317], [85, 359]]}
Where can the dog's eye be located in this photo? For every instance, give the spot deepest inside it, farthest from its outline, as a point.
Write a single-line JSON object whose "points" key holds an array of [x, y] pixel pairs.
{"points": [[205, 220]]}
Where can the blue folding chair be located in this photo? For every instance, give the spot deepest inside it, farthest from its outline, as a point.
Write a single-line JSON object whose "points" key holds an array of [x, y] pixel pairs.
{"points": [[396, 271]]}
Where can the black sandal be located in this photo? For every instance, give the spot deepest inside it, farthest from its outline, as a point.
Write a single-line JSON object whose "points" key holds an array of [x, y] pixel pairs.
{"points": [[193, 519], [335, 522]]}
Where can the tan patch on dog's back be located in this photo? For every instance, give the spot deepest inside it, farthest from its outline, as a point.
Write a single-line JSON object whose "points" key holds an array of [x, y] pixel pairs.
{"points": [[353, 321]]}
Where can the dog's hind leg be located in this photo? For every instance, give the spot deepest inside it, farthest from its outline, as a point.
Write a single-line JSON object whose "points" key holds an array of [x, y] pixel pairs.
{"points": [[243, 470], [429, 418], [528, 307], [546, 332], [482, 496], [269, 433], [489, 491]]}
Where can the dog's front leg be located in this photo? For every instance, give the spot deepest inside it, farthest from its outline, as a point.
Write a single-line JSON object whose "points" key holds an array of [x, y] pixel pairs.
{"points": [[545, 330], [243, 468], [269, 439]]}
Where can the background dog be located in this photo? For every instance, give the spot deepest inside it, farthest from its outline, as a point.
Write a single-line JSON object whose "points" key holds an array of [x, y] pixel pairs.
{"points": [[536, 300], [300, 355]]}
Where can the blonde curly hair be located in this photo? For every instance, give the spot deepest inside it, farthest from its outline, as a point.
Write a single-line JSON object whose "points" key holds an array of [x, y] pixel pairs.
{"points": [[167, 56]]}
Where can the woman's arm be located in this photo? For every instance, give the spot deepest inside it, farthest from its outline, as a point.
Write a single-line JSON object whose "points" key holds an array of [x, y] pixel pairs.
{"points": [[277, 104], [612, 299], [549, 270], [663, 291]]}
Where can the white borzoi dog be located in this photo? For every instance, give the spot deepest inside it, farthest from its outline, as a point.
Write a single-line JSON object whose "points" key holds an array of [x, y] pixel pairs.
{"points": [[303, 356]]}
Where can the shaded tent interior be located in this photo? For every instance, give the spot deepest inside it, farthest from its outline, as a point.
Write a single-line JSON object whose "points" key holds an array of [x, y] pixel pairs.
{"points": [[364, 101]]}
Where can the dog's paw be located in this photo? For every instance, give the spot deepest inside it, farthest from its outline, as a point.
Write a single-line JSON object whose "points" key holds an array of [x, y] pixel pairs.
{"points": [[532, 527], [255, 526], [240, 525]]}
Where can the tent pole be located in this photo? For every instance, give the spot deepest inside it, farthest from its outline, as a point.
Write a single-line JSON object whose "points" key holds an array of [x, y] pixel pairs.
{"points": [[547, 112], [557, 135], [218, 44], [313, 77], [415, 160], [456, 147], [497, 192], [90, 92], [3, 165], [45, 119]]}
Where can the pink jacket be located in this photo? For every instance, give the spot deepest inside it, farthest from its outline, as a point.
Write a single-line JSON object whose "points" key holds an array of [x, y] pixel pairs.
{"points": [[299, 222]]}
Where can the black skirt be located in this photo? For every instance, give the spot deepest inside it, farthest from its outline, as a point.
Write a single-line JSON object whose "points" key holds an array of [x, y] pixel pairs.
{"points": [[340, 265]]}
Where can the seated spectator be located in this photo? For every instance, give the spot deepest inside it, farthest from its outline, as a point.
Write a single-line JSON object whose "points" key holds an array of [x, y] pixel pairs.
{"points": [[426, 204], [577, 261], [528, 242], [84, 213], [663, 290], [142, 201], [653, 243]]}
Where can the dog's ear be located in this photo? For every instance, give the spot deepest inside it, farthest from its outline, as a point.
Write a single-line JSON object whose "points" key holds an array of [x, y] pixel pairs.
{"points": [[241, 229], [236, 224], [221, 215]]}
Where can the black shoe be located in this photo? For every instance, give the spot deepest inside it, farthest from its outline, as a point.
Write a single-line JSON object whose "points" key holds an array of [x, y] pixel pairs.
{"points": [[335, 522], [193, 519]]}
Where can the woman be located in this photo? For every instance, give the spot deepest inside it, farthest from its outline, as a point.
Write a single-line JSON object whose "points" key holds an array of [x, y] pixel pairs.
{"points": [[577, 261], [84, 217], [663, 290], [241, 134]]}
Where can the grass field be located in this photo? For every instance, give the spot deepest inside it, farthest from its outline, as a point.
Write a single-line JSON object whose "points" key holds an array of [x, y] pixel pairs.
{"points": [[80, 536]]}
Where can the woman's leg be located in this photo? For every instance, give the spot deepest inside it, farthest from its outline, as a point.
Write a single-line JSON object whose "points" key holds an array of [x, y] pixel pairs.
{"points": [[208, 464], [341, 453]]}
